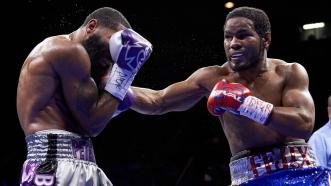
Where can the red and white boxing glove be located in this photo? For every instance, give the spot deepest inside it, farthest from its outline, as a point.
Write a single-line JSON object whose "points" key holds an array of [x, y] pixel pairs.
{"points": [[227, 97], [129, 51], [237, 99]]}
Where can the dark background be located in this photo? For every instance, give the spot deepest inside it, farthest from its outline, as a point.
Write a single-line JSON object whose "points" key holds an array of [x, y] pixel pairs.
{"points": [[182, 149]]}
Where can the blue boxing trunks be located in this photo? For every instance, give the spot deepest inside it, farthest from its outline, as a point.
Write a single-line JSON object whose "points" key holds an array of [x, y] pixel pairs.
{"points": [[57, 157], [291, 164]]}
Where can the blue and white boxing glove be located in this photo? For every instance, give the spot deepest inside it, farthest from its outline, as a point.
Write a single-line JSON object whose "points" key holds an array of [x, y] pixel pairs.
{"points": [[129, 51]]}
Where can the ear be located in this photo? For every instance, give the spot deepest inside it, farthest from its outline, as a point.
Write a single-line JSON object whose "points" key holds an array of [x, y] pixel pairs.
{"points": [[267, 40], [91, 25]]}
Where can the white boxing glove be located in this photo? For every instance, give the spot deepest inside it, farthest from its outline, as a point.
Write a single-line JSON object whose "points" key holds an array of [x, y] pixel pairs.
{"points": [[129, 51]]}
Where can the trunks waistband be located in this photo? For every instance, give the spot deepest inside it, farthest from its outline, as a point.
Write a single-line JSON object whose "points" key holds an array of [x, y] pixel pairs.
{"points": [[59, 144], [274, 159]]}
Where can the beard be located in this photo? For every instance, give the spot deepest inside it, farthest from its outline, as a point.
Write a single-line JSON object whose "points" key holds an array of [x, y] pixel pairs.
{"points": [[95, 49], [252, 62], [237, 67]]}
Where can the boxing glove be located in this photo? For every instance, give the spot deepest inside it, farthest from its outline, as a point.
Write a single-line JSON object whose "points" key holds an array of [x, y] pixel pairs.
{"points": [[126, 103], [129, 51], [237, 99]]}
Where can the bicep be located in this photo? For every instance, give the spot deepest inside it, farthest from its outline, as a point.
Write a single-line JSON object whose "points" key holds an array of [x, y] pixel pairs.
{"points": [[80, 95], [79, 89], [296, 93]]}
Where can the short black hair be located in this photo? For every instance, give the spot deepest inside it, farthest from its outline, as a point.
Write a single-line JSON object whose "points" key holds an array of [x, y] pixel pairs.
{"points": [[259, 17], [108, 17]]}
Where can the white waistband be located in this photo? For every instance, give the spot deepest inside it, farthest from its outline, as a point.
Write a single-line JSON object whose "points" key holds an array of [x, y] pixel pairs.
{"points": [[56, 131], [59, 144]]}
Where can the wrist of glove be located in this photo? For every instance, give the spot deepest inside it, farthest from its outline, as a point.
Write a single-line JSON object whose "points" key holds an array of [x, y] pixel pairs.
{"points": [[129, 51], [119, 82], [256, 109], [125, 104]]}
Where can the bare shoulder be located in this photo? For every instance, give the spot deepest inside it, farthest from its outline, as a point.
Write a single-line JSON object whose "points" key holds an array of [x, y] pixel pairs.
{"points": [[59, 48], [294, 72], [210, 71], [282, 66], [64, 55], [208, 76]]}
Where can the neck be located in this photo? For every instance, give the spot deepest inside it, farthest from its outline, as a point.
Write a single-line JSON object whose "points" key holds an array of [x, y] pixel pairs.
{"points": [[76, 36], [252, 73]]}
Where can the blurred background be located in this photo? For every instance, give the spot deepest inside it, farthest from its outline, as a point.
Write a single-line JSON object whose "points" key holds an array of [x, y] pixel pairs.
{"points": [[176, 149]]}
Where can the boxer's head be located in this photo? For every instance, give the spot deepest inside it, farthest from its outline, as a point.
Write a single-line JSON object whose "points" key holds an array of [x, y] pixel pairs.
{"points": [[259, 18], [247, 36], [99, 26]]}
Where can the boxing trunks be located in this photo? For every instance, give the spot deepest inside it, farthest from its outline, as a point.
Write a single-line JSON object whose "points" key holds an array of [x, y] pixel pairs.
{"points": [[62, 158], [293, 163]]}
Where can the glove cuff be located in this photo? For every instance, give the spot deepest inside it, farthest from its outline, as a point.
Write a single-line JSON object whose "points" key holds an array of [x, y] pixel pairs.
{"points": [[256, 109], [119, 81]]}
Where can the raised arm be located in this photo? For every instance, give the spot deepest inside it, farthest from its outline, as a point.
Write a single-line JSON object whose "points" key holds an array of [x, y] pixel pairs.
{"points": [[91, 109], [296, 116], [179, 96]]}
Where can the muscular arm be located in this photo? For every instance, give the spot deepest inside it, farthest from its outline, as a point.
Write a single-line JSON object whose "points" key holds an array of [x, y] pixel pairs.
{"points": [[295, 118], [179, 96], [91, 108]]}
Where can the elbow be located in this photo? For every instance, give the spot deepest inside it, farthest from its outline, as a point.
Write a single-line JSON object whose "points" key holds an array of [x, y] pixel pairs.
{"points": [[159, 103], [159, 108], [306, 133], [309, 131], [156, 106], [300, 128], [93, 132], [308, 127]]}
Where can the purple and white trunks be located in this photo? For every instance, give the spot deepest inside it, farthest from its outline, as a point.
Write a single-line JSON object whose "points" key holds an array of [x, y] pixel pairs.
{"points": [[57, 157]]}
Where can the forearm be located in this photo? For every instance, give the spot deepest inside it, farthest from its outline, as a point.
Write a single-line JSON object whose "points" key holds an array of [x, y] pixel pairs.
{"points": [[294, 120], [147, 101], [95, 110], [101, 112], [179, 96], [291, 121]]}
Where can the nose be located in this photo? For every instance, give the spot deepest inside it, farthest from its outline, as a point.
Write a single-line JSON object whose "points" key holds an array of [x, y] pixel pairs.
{"points": [[235, 43]]}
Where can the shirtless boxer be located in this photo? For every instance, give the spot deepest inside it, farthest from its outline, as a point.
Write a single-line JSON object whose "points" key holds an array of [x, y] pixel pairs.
{"points": [[263, 104], [60, 105]]}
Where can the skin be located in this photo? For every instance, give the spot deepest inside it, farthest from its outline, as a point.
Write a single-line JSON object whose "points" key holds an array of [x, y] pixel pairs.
{"points": [[56, 89], [283, 84]]}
